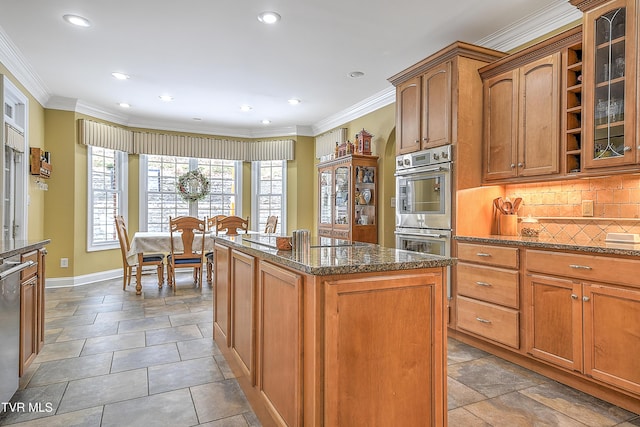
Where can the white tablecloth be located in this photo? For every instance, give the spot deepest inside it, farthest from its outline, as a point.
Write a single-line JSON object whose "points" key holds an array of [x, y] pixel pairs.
{"points": [[153, 242]]}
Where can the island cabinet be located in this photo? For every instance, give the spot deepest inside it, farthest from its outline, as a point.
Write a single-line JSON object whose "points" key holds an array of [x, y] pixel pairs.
{"points": [[31, 308], [523, 111], [432, 97], [313, 347], [348, 192], [584, 318], [610, 83]]}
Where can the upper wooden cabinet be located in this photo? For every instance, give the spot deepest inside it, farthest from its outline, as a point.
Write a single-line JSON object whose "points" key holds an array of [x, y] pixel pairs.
{"points": [[427, 96], [522, 120], [610, 83]]}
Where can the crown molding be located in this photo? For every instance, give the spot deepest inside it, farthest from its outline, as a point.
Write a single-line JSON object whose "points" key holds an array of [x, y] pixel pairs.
{"points": [[373, 103], [17, 65], [542, 22]]}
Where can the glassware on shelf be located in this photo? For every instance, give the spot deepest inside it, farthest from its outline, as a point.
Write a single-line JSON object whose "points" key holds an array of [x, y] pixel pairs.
{"points": [[619, 67]]}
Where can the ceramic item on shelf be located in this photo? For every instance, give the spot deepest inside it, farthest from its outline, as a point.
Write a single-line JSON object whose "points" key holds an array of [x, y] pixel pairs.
{"points": [[366, 194]]}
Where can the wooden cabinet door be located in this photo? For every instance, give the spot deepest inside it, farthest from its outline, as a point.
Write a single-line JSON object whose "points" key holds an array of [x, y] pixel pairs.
{"points": [[243, 311], [554, 327], [366, 383], [280, 342], [612, 335], [539, 117], [610, 104], [501, 125], [436, 106], [222, 293], [28, 324], [408, 115]]}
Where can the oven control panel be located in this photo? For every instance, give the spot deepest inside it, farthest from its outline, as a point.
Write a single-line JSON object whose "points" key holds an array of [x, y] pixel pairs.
{"points": [[428, 157]]}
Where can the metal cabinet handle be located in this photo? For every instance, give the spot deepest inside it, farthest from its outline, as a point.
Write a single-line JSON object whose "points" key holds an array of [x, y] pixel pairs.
{"points": [[574, 296], [483, 254], [585, 299], [580, 267], [483, 284], [417, 141], [520, 165], [627, 148], [513, 165], [481, 320]]}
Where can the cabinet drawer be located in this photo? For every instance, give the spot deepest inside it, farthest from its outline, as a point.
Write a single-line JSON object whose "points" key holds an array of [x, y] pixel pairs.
{"points": [[488, 320], [585, 267], [489, 284], [27, 273], [491, 255]]}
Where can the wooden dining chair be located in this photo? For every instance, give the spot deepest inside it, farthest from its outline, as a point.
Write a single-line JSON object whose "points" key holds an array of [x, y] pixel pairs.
{"points": [[272, 223], [231, 225], [211, 226], [187, 227], [147, 259]]}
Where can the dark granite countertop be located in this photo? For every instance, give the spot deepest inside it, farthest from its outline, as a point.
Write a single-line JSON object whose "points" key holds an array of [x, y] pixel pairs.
{"points": [[590, 246], [334, 256], [9, 249]]}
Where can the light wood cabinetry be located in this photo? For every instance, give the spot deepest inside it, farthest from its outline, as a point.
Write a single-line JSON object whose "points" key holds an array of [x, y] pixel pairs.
{"points": [[525, 129], [584, 319], [348, 192], [488, 292], [428, 96], [610, 83], [222, 287], [424, 114], [334, 350], [31, 308]]}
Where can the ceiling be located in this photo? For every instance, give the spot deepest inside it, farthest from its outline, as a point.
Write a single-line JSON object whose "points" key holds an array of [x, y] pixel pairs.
{"points": [[212, 56]]}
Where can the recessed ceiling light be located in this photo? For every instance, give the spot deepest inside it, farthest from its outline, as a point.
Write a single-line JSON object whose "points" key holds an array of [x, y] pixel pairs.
{"points": [[356, 74], [246, 108], [293, 101], [124, 105], [166, 98], [77, 20], [120, 76], [265, 121], [269, 17]]}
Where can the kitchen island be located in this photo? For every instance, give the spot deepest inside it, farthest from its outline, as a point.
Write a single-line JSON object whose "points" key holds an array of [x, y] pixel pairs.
{"points": [[340, 333]]}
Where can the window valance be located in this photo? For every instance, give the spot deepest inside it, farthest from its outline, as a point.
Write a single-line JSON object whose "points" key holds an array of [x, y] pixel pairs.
{"points": [[14, 138], [102, 135], [326, 143]]}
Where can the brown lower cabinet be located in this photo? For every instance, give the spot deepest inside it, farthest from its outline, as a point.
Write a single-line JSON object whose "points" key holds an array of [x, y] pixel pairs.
{"points": [[342, 350], [31, 308], [578, 320]]}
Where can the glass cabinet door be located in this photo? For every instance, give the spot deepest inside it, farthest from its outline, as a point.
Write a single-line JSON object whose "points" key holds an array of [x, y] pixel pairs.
{"points": [[610, 135], [341, 214], [326, 201]]}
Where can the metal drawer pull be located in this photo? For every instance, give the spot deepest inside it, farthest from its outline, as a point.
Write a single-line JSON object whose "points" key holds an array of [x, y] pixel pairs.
{"points": [[483, 284], [585, 299], [580, 267], [483, 254], [574, 296], [481, 320]]}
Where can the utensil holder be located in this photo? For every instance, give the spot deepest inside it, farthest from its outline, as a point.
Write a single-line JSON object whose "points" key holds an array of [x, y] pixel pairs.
{"points": [[509, 225]]}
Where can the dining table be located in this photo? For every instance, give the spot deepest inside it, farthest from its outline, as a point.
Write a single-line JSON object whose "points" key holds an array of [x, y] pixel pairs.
{"points": [[160, 242]]}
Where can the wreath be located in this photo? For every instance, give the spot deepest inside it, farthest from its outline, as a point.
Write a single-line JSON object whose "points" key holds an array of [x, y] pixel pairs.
{"points": [[193, 186]]}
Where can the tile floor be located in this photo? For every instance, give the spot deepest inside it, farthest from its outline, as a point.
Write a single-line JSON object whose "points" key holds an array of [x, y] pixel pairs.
{"points": [[112, 358]]}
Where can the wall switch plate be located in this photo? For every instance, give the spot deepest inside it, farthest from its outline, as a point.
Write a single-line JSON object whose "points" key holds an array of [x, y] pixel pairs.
{"points": [[587, 208], [393, 202], [64, 262]]}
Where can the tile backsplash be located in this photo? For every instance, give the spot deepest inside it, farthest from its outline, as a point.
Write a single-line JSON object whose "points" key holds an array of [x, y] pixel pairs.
{"points": [[558, 205]]}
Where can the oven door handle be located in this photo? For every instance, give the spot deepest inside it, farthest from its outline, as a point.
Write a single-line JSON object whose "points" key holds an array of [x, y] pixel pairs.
{"points": [[420, 170], [435, 236]]}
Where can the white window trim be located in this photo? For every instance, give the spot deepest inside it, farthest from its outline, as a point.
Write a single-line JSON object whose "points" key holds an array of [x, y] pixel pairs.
{"points": [[144, 167], [123, 160], [255, 178]]}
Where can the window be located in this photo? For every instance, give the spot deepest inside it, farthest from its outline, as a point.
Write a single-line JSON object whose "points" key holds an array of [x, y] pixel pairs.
{"points": [[160, 198], [107, 196], [269, 185]]}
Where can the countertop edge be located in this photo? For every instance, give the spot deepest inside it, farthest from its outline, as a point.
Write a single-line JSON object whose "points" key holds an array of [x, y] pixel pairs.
{"points": [[299, 265], [533, 242], [27, 246]]}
